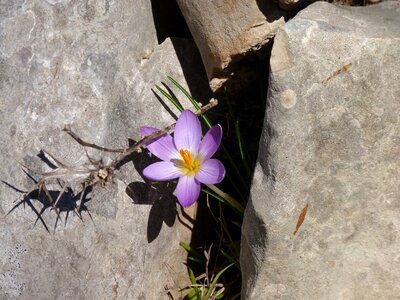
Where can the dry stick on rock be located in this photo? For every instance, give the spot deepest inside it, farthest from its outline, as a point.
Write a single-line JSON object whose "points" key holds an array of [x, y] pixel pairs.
{"points": [[137, 147], [95, 172]]}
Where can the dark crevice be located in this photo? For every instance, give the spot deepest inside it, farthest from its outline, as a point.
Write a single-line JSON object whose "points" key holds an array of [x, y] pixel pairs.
{"points": [[170, 23], [241, 101], [168, 20]]}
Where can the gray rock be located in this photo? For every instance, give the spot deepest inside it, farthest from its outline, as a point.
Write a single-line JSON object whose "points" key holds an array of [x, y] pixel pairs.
{"points": [[331, 139], [91, 64], [225, 31]]}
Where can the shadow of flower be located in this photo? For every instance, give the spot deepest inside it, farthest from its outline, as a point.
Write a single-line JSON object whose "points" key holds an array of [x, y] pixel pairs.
{"points": [[159, 195]]}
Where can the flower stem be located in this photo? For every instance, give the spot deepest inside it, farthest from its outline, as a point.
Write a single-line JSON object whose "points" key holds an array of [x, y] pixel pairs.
{"points": [[227, 197]]}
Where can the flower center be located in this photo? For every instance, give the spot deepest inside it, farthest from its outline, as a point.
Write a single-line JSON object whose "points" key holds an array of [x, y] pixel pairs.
{"points": [[190, 166]]}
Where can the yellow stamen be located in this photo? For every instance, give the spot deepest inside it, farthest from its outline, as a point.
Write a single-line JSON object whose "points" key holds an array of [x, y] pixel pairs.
{"points": [[190, 165]]}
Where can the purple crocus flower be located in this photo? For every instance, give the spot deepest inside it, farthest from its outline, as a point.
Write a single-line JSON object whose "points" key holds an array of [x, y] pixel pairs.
{"points": [[186, 156]]}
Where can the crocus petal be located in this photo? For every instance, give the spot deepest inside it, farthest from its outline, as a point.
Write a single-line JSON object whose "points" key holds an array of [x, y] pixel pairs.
{"points": [[212, 171], [162, 147], [211, 141], [187, 190], [162, 171], [187, 134]]}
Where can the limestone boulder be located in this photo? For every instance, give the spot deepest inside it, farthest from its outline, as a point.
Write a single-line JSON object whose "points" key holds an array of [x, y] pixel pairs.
{"points": [[91, 64], [225, 31], [323, 217]]}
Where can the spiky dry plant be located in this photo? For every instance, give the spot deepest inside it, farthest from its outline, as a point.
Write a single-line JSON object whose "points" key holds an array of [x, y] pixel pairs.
{"points": [[93, 172]]}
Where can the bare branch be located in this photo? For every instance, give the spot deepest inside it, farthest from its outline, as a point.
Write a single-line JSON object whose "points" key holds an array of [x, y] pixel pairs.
{"points": [[68, 130]]}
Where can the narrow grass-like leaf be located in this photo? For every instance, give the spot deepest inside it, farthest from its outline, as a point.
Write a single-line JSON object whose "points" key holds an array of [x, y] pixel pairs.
{"points": [[192, 251], [190, 98], [192, 277], [237, 296], [239, 209], [196, 260], [231, 259], [173, 100], [235, 168], [185, 92], [221, 294], [196, 292], [215, 281], [243, 150], [228, 198], [193, 295]]}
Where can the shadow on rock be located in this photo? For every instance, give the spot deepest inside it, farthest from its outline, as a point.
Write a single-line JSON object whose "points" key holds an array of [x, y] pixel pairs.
{"points": [[67, 202], [63, 200], [159, 195]]}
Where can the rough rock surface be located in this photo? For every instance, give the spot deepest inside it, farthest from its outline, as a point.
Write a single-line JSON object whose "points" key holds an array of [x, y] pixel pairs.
{"points": [[91, 64], [331, 139], [225, 31]]}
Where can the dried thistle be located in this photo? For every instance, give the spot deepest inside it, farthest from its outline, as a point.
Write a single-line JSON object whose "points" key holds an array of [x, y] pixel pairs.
{"points": [[93, 172]]}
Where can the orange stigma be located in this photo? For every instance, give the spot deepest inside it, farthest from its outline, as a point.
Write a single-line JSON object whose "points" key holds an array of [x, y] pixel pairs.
{"points": [[190, 165], [187, 158]]}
